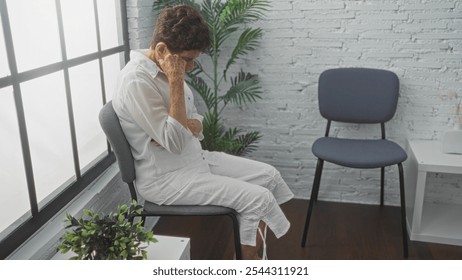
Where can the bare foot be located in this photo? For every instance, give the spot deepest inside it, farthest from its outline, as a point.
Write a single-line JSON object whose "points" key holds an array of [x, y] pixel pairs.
{"points": [[253, 252], [249, 252]]}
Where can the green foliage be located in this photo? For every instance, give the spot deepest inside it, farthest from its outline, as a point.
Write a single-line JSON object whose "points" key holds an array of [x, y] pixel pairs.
{"points": [[216, 138], [107, 237], [225, 20]]}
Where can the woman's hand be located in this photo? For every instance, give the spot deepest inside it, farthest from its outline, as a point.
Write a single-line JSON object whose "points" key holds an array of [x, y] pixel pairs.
{"points": [[173, 66], [195, 126]]}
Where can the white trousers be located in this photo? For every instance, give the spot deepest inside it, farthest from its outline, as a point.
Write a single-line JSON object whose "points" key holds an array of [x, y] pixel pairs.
{"points": [[254, 189]]}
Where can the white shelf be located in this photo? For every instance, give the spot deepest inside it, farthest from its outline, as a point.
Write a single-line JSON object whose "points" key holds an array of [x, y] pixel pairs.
{"points": [[439, 223], [431, 159], [167, 248]]}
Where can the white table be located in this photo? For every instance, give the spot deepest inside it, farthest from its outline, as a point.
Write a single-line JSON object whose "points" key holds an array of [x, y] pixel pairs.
{"points": [[440, 223], [170, 248], [167, 248]]}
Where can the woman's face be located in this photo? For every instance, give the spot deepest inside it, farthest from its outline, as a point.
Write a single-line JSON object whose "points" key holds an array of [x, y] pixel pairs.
{"points": [[189, 57]]}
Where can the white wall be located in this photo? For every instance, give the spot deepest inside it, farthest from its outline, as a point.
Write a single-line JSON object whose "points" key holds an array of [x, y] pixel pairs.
{"points": [[141, 23], [420, 40]]}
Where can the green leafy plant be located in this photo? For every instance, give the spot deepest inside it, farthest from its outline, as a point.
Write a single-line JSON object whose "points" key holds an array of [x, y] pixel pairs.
{"points": [[226, 20], [107, 237]]}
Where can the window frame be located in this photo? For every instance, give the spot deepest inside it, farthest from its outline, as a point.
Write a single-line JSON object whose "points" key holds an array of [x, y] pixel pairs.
{"points": [[41, 214]]}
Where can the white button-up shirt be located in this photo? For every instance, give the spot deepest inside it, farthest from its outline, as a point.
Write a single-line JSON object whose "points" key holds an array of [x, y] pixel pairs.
{"points": [[166, 153]]}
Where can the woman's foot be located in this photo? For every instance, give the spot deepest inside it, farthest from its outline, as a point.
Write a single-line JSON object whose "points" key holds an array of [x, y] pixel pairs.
{"points": [[249, 252], [252, 252]]}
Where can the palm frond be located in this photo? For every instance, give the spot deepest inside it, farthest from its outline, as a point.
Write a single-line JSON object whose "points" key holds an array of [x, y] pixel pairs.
{"points": [[197, 70], [208, 10], [231, 134], [213, 132], [243, 11], [247, 143], [235, 143], [236, 12], [230, 142], [248, 41], [211, 10], [201, 87], [245, 88], [223, 33]]}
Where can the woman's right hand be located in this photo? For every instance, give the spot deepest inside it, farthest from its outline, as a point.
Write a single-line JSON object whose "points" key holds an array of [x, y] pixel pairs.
{"points": [[173, 66]]}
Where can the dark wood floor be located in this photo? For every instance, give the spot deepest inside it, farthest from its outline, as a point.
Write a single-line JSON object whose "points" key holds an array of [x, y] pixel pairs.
{"points": [[337, 231]]}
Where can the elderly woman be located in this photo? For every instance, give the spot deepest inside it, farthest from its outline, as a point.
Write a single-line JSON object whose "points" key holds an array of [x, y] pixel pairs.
{"points": [[157, 113]]}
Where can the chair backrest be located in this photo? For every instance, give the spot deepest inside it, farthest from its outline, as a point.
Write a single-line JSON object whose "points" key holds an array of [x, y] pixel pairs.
{"points": [[358, 95], [114, 133]]}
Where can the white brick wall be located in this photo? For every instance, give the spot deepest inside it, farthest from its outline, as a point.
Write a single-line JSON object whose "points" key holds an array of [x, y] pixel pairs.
{"points": [[141, 23], [420, 40]]}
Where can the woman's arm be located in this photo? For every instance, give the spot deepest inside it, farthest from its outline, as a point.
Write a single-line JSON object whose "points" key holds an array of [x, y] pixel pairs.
{"points": [[195, 126], [174, 67]]}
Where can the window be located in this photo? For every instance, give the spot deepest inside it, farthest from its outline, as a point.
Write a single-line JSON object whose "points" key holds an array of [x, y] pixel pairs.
{"points": [[59, 60]]}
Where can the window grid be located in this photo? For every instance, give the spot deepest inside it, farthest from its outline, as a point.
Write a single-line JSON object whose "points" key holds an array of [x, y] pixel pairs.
{"points": [[62, 40], [40, 216]]}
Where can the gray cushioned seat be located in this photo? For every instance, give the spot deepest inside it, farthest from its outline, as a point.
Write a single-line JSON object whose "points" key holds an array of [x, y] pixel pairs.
{"points": [[358, 153]]}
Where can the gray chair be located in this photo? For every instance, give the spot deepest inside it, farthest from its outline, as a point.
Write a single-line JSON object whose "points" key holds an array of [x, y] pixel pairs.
{"points": [[111, 127], [358, 95]]}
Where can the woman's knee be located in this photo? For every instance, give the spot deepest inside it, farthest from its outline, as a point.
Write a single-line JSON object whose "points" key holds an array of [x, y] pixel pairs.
{"points": [[265, 200]]}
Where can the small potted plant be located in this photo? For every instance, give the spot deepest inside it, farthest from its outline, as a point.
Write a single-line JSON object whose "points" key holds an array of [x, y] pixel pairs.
{"points": [[107, 237]]}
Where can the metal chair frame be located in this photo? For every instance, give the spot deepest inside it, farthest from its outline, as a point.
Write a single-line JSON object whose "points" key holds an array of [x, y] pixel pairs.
{"points": [[317, 181]]}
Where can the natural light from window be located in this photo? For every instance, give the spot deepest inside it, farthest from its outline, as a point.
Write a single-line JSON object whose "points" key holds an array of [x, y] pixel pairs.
{"points": [[79, 27], [13, 191], [36, 43], [47, 123], [35, 33], [4, 69], [85, 82]]}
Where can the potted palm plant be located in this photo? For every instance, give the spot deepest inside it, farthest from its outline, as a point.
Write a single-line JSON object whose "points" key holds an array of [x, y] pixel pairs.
{"points": [[226, 20], [113, 236]]}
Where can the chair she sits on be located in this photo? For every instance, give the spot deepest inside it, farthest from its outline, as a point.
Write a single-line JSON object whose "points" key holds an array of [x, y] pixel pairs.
{"points": [[364, 96], [111, 127]]}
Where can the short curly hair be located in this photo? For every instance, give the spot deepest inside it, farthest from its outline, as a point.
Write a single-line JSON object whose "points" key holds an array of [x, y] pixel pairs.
{"points": [[181, 28]]}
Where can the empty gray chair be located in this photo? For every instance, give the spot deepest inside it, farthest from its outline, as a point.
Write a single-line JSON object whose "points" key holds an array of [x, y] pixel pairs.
{"points": [[111, 127], [358, 95]]}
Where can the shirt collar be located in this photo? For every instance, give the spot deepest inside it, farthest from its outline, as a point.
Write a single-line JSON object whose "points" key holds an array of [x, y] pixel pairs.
{"points": [[142, 60]]}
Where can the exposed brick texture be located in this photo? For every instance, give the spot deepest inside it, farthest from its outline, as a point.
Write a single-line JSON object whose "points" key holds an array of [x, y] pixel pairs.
{"points": [[420, 40]]}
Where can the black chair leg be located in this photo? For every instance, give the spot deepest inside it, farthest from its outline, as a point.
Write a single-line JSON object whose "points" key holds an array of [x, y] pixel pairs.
{"points": [[403, 210], [382, 184], [237, 236], [313, 198], [319, 167]]}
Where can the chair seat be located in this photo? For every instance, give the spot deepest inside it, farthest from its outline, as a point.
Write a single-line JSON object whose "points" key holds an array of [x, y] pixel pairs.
{"points": [[358, 153], [186, 210]]}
